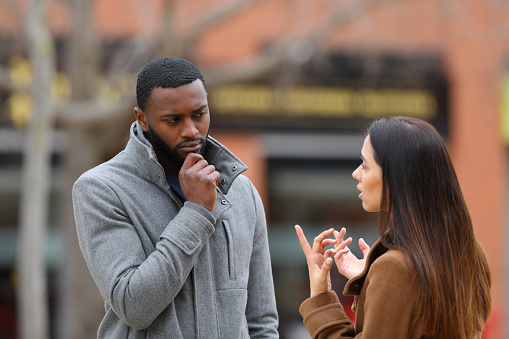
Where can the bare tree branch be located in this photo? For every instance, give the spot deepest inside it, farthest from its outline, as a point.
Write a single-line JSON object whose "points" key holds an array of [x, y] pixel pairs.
{"points": [[280, 52], [170, 45], [136, 53], [82, 52], [342, 16], [6, 83], [89, 113], [216, 17], [249, 69]]}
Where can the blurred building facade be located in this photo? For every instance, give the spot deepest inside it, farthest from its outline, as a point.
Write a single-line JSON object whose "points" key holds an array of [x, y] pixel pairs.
{"points": [[291, 86]]}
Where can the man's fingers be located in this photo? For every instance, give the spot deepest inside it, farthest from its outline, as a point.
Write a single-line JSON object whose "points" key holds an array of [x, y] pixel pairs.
{"points": [[216, 176], [191, 159], [195, 163], [209, 169]]}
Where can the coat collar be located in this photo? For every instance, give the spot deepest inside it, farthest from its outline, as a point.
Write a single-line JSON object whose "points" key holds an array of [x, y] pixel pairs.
{"points": [[354, 285], [140, 150]]}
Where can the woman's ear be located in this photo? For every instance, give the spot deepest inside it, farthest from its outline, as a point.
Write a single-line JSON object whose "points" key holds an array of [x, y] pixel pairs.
{"points": [[141, 118]]}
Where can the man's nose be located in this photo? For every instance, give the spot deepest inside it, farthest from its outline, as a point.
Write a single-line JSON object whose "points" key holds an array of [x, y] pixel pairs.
{"points": [[189, 129]]}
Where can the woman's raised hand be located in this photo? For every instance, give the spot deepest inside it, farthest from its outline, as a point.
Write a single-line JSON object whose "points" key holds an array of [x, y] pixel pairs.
{"points": [[347, 263], [319, 261]]}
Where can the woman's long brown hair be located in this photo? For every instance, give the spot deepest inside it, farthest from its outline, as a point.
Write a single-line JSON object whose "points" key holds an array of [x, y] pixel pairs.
{"points": [[424, 214]]}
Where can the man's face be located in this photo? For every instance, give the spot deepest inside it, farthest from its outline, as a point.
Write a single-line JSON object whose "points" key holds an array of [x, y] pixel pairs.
{"points": [[178, 121]]}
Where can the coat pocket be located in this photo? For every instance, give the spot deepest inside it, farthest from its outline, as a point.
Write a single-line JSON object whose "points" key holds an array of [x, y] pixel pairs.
{"points": [[229, 246]]}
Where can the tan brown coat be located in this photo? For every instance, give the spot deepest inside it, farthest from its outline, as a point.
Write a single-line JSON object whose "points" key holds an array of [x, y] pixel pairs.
{"points": [[385, 300]]}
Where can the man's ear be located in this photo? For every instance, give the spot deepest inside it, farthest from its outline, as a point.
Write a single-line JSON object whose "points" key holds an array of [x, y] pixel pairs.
{"points": [[141, 118]]}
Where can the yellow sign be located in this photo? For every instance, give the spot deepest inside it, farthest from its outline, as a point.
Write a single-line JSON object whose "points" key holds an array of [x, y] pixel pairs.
{"points": [[322, 102]]}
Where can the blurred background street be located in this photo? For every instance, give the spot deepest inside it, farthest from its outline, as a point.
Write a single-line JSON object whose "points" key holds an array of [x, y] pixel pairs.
{"points": [[291, 85]]}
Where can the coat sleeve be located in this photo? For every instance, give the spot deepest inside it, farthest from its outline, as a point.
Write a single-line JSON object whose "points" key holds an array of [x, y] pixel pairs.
{"points": [[261, 312], [325, 317], [137, 286], [387, 310]]}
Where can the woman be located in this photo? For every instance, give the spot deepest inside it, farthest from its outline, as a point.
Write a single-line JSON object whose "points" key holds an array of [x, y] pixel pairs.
{"points": [[427, 275]]}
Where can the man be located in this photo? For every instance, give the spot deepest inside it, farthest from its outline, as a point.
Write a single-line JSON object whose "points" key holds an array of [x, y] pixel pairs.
{"points": [[174, 236]]}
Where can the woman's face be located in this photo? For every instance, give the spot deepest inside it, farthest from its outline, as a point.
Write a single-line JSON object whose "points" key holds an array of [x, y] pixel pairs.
{"points": [[369, 176]]}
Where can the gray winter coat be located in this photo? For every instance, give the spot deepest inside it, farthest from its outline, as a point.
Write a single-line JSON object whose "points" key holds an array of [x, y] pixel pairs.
{"points": [[172, 270]]}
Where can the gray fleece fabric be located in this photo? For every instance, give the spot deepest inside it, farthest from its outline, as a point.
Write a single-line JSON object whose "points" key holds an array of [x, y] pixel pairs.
{"points": [[172, 270]]}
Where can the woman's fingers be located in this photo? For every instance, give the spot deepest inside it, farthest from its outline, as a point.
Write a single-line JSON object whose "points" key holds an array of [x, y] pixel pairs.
{"points": [[364, 247], [327, 265], [343, 244], [319, 282], [343, 251], [327, 242], [329, 253], [317, 244], [339, 236], [303, 241], [341, 233]]}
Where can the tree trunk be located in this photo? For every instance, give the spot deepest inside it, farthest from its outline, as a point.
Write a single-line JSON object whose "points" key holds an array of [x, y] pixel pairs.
{"points": [[33, 299], [80, 306]]}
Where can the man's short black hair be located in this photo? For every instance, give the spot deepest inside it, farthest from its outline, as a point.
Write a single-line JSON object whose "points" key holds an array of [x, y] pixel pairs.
{"points": [[166, 72]]}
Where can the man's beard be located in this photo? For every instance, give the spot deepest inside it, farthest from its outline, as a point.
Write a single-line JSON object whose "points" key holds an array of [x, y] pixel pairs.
{"points": [[169, 152]]}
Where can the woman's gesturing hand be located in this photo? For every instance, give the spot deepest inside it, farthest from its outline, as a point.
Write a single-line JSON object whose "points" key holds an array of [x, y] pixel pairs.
{"points": [[347, 263], [319, 261]]}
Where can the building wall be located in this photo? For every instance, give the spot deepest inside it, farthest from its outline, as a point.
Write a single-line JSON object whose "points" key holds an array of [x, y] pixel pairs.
{"points": [[469, 36]]}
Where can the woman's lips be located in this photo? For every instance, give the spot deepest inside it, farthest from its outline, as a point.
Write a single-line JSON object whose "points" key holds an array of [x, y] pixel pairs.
{"points": [[361, 194]]}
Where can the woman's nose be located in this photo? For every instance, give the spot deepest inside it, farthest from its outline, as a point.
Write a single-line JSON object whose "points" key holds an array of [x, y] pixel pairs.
{"points": [[356, 174]]}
